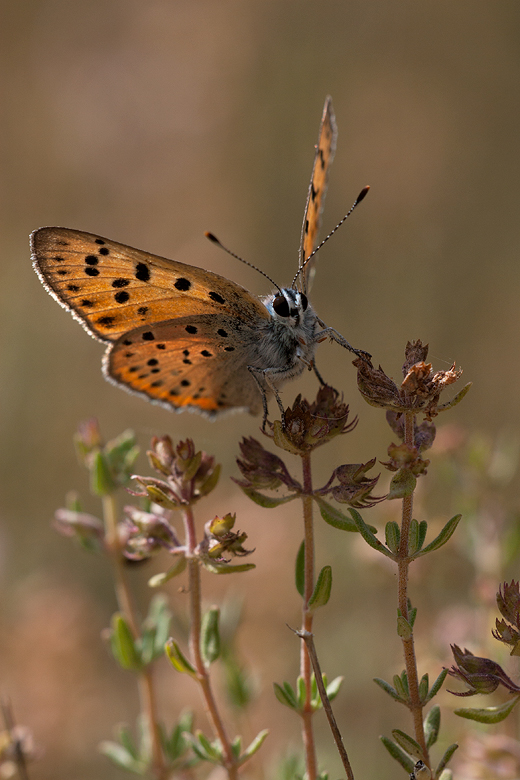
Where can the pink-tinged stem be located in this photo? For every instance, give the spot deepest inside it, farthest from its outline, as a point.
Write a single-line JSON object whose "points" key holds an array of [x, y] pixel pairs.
{"points": [[307, 617], [126, 606], [414, 704], [195, 645]]}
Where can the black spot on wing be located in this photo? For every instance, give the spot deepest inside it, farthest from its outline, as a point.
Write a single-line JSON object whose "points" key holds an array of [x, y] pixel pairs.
{"points": [[142, 272], [182, 284]]}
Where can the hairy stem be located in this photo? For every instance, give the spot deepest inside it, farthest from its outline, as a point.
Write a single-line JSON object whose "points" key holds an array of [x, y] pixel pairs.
{"points": [[305, 661], [195, 645], [126, 606], [414, 703]]}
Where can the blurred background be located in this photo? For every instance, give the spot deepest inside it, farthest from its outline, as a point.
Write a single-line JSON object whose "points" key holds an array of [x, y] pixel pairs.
{"points": [[150, 123]]}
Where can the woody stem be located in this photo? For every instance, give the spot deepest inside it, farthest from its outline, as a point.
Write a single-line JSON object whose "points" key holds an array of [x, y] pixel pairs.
{"points": [[414, 703]]}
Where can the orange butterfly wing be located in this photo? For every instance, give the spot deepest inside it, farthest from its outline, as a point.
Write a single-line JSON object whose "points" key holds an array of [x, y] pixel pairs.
{"points": [[112, 288], [325, 149], [178, 334], [195, 361]]}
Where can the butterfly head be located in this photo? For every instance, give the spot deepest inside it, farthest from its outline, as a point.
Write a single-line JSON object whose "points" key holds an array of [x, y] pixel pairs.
{"points": [[288, 306]]}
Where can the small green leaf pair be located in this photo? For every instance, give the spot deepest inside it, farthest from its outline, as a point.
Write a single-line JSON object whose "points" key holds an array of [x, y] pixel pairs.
{"points": [[415, 540], [400, 692], [136, 757], [135, 654], [212, 751], [323, 587], [287, 696], [407, 752]]}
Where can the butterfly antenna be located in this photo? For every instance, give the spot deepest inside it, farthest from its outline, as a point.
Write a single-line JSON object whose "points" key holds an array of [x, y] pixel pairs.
{"points": [[358, 200], [237, 257]]}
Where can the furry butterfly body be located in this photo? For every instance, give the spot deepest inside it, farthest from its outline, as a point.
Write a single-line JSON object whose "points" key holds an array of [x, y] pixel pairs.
{"points": [[182, 336]]}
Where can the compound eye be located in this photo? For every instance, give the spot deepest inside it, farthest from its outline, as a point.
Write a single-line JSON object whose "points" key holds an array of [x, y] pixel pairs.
{"points": [[303, 301], [281, 306]]}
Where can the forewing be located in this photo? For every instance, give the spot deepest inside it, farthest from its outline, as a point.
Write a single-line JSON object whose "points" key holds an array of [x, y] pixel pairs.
{"points": [[325, 149], [112, 288], [197, 363]]}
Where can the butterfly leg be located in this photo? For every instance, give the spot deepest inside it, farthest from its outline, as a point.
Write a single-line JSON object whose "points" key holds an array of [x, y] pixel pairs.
{"points": [[339, 339], [266, 376], [320, 378]]}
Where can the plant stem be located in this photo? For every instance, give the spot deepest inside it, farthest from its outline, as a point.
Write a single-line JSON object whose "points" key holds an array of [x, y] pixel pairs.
{"points": [[307, 618], [338, 739], [195, 646], [126, 606], [9, 722], [414, 703]]}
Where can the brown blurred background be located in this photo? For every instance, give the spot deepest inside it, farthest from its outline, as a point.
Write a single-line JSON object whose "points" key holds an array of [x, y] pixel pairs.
{"points": [[151, 122]]}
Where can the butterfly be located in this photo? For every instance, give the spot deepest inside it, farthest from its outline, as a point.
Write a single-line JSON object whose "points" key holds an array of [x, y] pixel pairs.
{"points": [[184, 337]]}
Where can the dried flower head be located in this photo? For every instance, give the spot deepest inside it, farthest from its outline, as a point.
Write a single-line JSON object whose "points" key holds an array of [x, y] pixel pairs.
{"points": [[508, 602], [481, 675], [309, 425], [420, 389], [190, 475]]}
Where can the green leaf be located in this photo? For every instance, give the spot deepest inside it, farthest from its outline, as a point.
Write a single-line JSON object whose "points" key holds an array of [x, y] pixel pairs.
{"points": [[401, 685], [101, 482], [368, 535], [402, 484], [423, 687], [456, 400], [192, 466], [392, 536], [177, 658], [255, 745], [322, 589], [236, 747], [124, 648], [122, 758], [159, 579], [437, 685], [211, 482], [299, 574], [127, 740], [227, 568], [302, 691], [334, 516], [442, 538], [268, 502], [388, 689], [413, 537], [432, 724], [404, 629], [489, 714], [408, 743], [210, 635], [444, 760], [333, 687], [399, 755], [423, 528], [212, 749], [177, 744], [285, 695]]}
